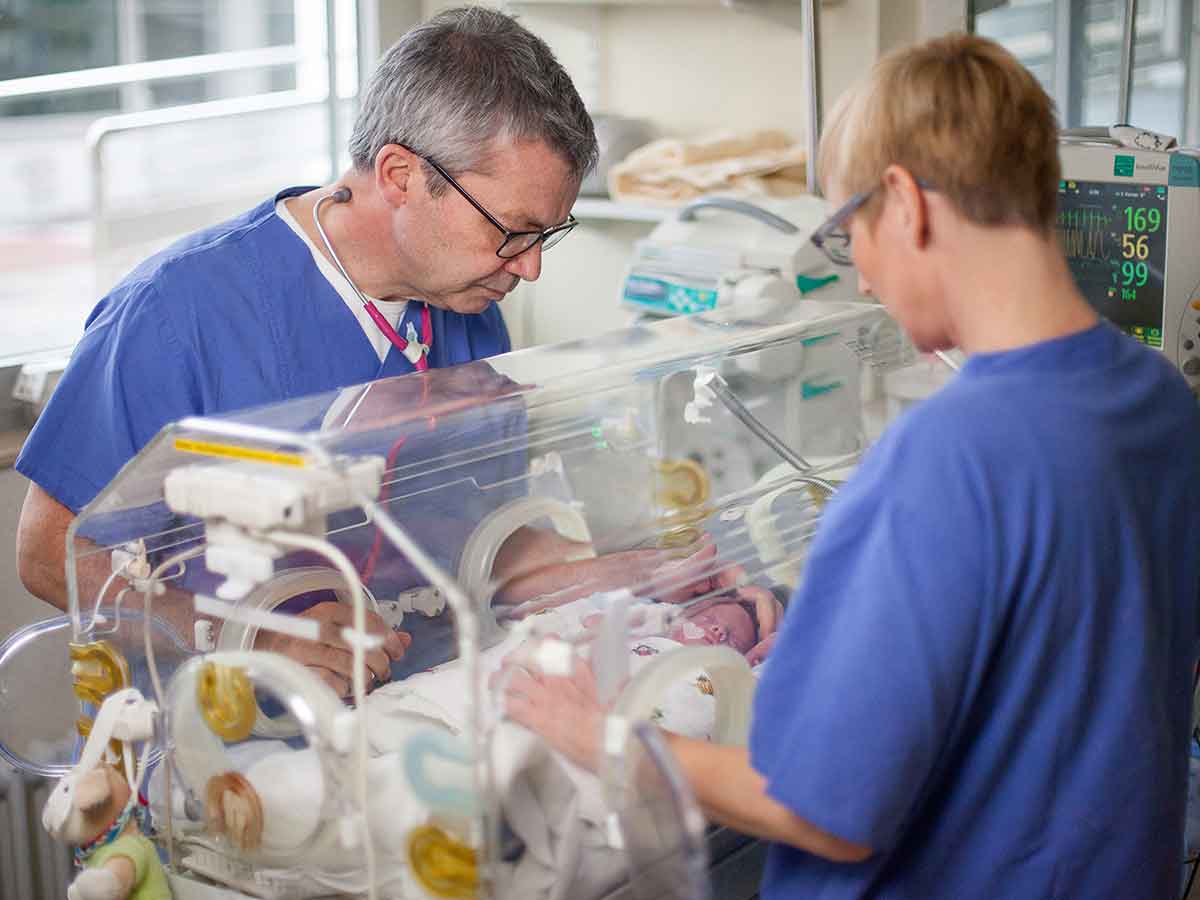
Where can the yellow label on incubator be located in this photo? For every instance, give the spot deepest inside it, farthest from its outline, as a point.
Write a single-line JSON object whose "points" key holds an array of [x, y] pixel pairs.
{"points": [[233, 451]]}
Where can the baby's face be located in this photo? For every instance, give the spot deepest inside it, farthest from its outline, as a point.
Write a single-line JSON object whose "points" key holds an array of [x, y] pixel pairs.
{"points": [[724, 623]]}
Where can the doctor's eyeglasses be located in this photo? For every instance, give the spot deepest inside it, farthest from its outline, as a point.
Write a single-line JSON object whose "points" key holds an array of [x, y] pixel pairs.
{"points": [[515, 242], [833, 239]]}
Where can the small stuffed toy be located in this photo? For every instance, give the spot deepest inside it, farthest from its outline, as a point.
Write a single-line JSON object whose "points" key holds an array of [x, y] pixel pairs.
{"points": [[95, 808]]}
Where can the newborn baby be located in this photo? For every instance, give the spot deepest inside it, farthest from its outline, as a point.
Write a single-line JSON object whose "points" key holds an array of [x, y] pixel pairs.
{"points": [[274, 802], [727, 620]]}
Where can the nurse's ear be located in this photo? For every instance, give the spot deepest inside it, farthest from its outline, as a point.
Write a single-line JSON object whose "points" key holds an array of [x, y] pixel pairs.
{"points": [[907, 206], [397, 173]]}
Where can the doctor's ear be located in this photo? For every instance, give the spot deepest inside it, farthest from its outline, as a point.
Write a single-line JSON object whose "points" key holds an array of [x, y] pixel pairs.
{"points": [[396, 173]]}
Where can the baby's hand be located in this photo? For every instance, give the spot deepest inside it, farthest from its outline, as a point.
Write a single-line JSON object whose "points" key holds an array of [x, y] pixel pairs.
{"points": [[759, 652]]}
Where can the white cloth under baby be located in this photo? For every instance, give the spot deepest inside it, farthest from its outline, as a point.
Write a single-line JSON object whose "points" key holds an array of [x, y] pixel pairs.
{"points": [[556, 809]]}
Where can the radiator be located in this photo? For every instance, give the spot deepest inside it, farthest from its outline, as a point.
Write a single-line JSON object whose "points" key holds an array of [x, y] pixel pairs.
{"points": [[33, 866]]}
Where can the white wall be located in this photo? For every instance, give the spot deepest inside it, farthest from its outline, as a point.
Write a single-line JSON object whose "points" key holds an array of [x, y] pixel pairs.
{"points": [[690, 70]]}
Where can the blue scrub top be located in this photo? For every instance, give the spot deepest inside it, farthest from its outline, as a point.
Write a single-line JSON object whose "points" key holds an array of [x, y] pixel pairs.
{"points": [[235, 316], [986, 673]]}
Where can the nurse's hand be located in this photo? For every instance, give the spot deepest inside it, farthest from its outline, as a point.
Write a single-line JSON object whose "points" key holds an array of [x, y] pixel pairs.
{"points": [[329, 656], [565, 712]]}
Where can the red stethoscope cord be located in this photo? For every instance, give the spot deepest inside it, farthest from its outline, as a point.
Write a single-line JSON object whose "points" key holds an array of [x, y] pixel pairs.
{"points": [[421, 363], [419, 356]]}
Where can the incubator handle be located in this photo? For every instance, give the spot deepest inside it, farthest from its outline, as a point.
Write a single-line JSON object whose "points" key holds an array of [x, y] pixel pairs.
{"points": [[768, 218]]}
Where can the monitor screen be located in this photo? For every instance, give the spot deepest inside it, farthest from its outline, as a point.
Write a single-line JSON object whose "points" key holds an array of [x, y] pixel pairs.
{"points": [[1115, 238]]}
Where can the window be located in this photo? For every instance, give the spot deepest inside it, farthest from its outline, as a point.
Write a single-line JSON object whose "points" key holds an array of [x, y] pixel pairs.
{"points": [[125, 123], [1074, 48]]}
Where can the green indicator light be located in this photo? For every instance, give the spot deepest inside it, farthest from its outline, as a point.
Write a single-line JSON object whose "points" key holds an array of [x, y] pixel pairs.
{"points": [[808, 389], [1123, 166], [808, 342]]}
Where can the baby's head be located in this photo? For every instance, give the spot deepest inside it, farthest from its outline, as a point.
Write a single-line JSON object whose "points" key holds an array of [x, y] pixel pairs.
{"points": [[723, 621]]}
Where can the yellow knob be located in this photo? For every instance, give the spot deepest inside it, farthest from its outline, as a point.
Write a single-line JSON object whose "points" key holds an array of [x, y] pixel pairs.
{"points": [[226, 700], [99, 668], [443, 865], [683, 483]]}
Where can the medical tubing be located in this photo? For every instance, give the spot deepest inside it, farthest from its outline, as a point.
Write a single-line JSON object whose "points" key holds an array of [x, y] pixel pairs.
{"points": [[152, 667], [100, 596], [720, 387], [467, 621], [339, 560], [116, 623]]}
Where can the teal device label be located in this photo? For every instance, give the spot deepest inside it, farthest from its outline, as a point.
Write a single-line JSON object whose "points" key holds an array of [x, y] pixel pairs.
{"points": [[1184, 171], [1123, 166], [667, 297]]}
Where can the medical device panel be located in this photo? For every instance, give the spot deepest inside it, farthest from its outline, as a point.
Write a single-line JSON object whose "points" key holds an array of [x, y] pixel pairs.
{"points": [[1128, 217]]}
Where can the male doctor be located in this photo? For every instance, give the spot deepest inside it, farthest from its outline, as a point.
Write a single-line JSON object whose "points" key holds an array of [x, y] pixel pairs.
{"points": [[467, 156]]}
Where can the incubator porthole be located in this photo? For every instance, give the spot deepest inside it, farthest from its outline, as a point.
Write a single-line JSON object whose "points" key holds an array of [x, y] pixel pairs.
{"points": [[39, 704]]}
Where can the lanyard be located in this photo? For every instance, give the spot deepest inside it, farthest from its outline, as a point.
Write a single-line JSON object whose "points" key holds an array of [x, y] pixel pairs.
{"points": [[415, 351]]}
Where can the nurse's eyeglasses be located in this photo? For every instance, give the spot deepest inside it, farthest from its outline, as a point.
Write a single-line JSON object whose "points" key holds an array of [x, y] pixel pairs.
{"points": [[515, 242], [833, 239]]}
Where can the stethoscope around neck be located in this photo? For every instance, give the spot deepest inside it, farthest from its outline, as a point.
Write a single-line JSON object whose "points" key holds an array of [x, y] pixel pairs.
{"points": [[416, 352]]}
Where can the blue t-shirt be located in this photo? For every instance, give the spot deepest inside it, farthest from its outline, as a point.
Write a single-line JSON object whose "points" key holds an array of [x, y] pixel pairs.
{"points": [[231, 317], [985, 675]]}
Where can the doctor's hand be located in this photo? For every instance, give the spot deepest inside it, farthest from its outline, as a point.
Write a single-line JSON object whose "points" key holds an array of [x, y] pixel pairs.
{"points": [[329, 656], [565, 712], [660, 573]]}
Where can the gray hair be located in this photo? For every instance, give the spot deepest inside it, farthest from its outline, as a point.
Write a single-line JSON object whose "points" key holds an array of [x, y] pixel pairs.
{"points": [[456, 83]]}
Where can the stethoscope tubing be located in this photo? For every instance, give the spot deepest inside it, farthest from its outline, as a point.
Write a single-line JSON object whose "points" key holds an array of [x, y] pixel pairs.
{"points": [[342, 195]]}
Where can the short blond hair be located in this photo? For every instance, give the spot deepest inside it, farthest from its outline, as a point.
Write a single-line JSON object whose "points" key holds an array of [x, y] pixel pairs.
{"points": [[959, 112]]}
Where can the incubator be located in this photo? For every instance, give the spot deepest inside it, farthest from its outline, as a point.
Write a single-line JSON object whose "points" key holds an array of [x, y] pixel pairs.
{"points": [[641, 501]]}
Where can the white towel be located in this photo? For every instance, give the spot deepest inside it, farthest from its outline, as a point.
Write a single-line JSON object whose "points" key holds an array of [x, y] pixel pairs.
{"points": [[671, 171]]}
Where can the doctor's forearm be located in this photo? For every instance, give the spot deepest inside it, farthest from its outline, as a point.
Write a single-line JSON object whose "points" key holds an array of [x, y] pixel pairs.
{"points": [[733, 794], [534, 562]]}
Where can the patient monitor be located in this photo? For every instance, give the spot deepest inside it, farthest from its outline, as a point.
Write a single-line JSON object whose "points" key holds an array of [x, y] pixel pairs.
{"points": [[1129, 221], [641, 546]]}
